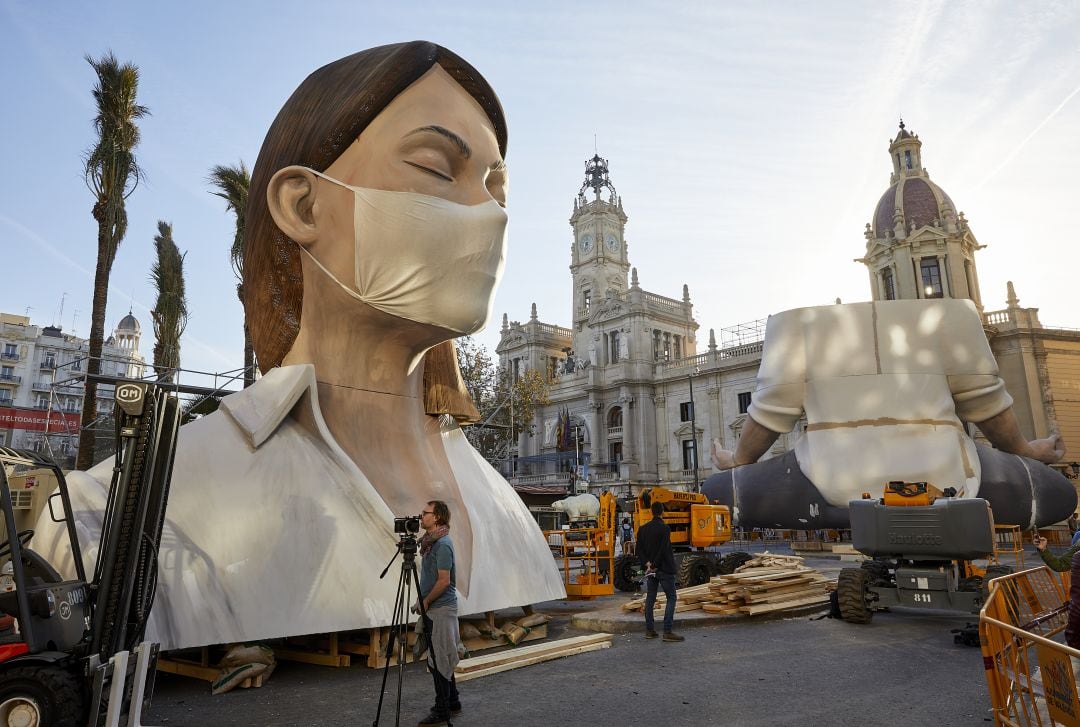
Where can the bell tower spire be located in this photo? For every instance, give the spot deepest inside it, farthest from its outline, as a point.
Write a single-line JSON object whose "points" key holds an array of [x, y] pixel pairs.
{"points": [[598, 255]]}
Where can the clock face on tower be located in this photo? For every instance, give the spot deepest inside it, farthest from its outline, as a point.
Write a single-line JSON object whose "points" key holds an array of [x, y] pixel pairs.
{"points": [[585, 242], [612, 242]]}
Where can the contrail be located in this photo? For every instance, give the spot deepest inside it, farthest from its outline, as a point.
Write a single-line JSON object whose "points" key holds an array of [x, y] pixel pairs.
{"points": [[1026, 139], [70, 262]]}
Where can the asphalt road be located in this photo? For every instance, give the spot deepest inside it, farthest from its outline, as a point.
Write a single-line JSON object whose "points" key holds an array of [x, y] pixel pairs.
{"points": [[901, 669]]}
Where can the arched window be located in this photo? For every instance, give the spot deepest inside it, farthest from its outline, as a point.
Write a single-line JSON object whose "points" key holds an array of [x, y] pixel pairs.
{"points": [[614, 418]]}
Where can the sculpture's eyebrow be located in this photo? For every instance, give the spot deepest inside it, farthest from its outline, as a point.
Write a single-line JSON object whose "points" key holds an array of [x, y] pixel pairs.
{"points": [[443, 131]]}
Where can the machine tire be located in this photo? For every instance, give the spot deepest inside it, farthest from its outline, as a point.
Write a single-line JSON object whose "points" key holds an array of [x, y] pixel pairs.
{"points": [[694, 569], [878, 572], [732, 562], [992, 572], [56, 693], [627, 576], [851, 591]]}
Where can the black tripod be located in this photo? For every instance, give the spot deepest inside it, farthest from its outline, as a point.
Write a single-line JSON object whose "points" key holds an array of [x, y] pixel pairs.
{"points": [[399, 629]]}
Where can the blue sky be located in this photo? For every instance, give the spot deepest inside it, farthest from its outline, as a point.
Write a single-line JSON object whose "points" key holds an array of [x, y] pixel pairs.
{"points": [[748, 141]]}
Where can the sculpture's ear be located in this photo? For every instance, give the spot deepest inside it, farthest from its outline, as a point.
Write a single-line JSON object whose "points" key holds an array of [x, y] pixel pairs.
{"points": [[291, 198]]}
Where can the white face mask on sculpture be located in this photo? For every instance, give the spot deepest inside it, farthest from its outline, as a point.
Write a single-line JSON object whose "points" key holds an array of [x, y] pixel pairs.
{"points": [[423, 258]]}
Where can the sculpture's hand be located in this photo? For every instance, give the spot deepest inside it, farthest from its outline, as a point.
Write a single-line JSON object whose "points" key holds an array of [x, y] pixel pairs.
{"points": [[722, 459], [1048, 450]]}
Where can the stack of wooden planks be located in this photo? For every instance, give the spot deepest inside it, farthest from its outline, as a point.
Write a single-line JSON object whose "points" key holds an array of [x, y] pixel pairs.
{"points": [[763, 584], [479, 666]]}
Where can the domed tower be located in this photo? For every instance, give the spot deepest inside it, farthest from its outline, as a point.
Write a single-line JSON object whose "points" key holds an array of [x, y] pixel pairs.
{"points": [[127, 334], [917, 245]]}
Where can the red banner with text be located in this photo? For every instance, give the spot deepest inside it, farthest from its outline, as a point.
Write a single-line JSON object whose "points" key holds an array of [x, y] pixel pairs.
{"points": [[38, 420]]}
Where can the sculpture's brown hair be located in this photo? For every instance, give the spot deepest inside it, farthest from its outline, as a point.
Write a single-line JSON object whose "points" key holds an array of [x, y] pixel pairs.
{"points": [[324, 115]]}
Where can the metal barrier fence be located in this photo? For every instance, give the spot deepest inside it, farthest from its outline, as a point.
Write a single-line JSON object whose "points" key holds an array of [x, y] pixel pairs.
{"points": [[1028, 673], [1009, 540]]}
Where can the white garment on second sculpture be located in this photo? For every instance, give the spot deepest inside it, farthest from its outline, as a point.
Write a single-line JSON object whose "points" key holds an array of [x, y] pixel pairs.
{"points": [[885, 386], [271, 531]]}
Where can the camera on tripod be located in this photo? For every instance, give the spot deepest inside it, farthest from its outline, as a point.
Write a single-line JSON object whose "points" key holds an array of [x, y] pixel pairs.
{"points": [[409, 525]]}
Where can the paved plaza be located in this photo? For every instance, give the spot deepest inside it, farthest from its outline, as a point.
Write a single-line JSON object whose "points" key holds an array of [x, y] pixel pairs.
{"points": [[901, 669]]}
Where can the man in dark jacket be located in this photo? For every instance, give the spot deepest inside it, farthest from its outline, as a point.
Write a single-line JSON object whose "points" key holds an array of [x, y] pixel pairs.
{"points": [[654, 552]]}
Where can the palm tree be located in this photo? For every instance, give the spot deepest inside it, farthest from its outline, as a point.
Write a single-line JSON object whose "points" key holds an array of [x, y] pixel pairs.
{"points": [[112, 174], [170, 313], [232, 184]]}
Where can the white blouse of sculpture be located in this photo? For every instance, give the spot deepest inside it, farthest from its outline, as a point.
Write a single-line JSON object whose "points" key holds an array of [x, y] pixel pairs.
{"points": [[272, 532], [884, 386]]}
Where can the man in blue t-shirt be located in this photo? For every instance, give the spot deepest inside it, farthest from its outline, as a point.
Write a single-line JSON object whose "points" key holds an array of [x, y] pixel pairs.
{"points": [[438, 591]]}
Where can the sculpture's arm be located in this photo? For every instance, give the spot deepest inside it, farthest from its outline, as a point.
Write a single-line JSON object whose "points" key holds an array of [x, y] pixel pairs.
{"points": [[754, 442], [1003, 431]]}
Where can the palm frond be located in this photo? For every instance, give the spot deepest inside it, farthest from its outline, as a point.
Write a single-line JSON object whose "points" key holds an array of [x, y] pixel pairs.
{"points": [[232, 185]]}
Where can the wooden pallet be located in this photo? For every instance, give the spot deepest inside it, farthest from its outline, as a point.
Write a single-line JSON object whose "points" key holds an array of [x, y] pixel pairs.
{"points": [[200, 669]]}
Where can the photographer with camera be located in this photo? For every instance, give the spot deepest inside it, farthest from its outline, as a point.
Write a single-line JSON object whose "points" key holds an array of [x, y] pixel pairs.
{"points": [[439, 595]]}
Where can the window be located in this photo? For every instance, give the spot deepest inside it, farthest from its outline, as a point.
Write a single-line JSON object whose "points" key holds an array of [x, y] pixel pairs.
{"points": [[7, 373], [931, 277], [678, 347], [686, 411], [76, 365], [656, 345], [907, 158], [10, 351], [615, 452], [515, 372], [614, 417], [5, 397], [49, 361], [586, 300], [42, 402], [688, 459], [613, 347], [888, 284], [744, 402]]}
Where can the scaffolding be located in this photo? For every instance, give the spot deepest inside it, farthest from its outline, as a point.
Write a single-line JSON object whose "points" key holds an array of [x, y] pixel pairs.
{"points": [[742, 334], [69, 383]]}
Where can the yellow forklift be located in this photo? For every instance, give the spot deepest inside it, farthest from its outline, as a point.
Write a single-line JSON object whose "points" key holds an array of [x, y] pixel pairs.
{"points": [[585, 551], [695, 526]]}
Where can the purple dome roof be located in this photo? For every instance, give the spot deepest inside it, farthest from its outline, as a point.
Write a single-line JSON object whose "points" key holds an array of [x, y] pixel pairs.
{"points": [[917, 198]]}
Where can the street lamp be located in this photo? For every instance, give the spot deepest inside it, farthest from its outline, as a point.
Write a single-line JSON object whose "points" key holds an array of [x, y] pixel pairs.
{"points": [[693, 428]]}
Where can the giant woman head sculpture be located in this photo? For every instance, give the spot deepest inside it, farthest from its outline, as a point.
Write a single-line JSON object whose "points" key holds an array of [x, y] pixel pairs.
{"points": [[352, 119]]}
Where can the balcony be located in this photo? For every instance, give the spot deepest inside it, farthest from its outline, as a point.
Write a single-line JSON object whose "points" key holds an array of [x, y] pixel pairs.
{"points": [[41, 405], [614, 432], [10, 379], [9, 356], [42, 386], [688, 474], [552, 479], [47, 365], [7, 401]]}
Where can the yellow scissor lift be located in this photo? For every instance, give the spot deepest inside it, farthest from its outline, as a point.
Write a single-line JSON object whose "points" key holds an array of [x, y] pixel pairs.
{"points": [[586, 556]]}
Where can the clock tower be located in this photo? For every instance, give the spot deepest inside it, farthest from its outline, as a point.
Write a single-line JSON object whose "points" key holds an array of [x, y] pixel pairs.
{"points": [[598, 258]]}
